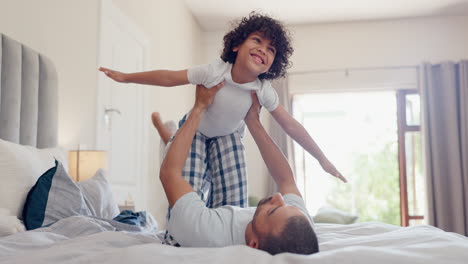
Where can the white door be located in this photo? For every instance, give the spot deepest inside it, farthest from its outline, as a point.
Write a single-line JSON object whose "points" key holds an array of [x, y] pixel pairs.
{"points": [[123, 108]]}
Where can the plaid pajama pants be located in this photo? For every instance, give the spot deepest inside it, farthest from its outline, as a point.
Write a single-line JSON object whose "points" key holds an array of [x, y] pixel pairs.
{"points": [[216, 169]]}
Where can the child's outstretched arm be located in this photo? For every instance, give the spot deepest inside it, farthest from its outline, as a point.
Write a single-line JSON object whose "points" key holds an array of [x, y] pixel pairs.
{"points": [[158, 77], [295, 130]]}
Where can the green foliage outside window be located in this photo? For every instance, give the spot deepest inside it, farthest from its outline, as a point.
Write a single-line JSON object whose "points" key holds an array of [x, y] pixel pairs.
{"points": [[375, 181]]}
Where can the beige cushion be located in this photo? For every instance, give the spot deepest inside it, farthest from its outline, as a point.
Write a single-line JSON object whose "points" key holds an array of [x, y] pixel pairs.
{"points": [[98, 196]]}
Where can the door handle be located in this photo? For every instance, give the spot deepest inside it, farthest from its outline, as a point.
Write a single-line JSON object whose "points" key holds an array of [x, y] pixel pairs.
{"points": [[107, 117], [112, 110]]}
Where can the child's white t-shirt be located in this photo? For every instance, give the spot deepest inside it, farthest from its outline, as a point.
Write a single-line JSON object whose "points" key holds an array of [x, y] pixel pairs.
{"points": [[230, 105]]}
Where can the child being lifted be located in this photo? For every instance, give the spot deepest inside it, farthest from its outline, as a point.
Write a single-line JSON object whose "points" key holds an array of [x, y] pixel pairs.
{"points": [[256, 51]]}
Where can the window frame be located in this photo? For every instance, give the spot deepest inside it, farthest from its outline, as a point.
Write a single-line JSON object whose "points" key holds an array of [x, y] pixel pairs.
{"points": [[403, 128]]}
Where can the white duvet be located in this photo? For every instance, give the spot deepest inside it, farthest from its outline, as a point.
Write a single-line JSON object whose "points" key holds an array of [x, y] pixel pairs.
{"points": [[85, 240]]}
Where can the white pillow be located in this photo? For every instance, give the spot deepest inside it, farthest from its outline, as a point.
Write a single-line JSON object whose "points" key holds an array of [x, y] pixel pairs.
{"points": [[334, 216], [20, 167], [9, 224]]}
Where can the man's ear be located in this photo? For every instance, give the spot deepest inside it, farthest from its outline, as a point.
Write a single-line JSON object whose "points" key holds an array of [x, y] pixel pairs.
{"points": [[235, 49], [253, 243], [251, 238]]}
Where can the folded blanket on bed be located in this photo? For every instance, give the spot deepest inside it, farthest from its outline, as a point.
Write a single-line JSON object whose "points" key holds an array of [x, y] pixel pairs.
{"points": [[58, 239], [84, 225], [132, 218]]}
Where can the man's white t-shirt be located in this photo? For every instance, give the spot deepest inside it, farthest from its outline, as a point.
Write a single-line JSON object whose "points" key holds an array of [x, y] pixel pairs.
{"points": [[192, 224], [230, 105]]}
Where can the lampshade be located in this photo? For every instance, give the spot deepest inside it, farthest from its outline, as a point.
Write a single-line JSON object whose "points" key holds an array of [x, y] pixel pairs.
{"points": [[83, 164]]}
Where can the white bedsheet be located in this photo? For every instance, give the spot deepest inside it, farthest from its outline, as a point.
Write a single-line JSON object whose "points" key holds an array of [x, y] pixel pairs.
{"points": [[96, 242]]}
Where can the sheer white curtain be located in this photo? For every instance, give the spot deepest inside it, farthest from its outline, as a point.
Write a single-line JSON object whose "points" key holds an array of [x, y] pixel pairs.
{"points": [[444, 91], [283, 141]]}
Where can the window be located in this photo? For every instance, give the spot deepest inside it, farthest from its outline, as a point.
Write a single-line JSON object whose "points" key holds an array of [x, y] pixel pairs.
{"points": [[412, 184], [362, 134]]}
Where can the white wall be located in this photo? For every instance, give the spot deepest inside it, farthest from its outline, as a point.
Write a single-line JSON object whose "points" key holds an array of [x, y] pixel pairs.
{"points": [[66, 31], [355, 45], [380, 43]]}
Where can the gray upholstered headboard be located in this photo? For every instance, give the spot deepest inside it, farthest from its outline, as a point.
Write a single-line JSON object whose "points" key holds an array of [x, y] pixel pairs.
{"points": [[28, 96]]}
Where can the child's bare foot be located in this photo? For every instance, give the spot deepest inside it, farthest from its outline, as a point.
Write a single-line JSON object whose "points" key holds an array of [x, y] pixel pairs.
{"points": [[163, 131], [156, 119]]}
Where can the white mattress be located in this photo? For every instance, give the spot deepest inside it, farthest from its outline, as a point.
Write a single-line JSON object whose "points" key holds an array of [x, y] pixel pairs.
{"points": [[88, 240]]}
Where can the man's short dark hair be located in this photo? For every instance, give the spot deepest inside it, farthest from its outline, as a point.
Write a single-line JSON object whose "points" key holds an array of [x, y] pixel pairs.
{"points": [[298, 237], [271, 29]]}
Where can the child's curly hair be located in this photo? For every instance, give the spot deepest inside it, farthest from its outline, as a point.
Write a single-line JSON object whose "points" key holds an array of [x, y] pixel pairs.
{"points": [[271, 29]]}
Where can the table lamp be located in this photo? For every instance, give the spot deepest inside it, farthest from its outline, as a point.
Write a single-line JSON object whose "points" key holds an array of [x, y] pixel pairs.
{"points": [[83, 164]]}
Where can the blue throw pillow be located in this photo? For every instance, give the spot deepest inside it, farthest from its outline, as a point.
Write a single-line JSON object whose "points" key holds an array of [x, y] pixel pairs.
{"points": [[53, 197], [34, 209]]}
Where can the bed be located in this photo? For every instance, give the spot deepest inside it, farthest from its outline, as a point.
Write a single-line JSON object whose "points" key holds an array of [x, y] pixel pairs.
{"points": [[77, 226]]}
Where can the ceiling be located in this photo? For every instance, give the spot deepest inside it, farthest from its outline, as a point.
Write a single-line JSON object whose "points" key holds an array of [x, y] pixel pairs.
{"points": [[215, 14]]}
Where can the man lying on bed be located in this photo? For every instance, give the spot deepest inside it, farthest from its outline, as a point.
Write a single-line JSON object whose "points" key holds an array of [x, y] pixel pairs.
{"points": [[279, 224]]}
